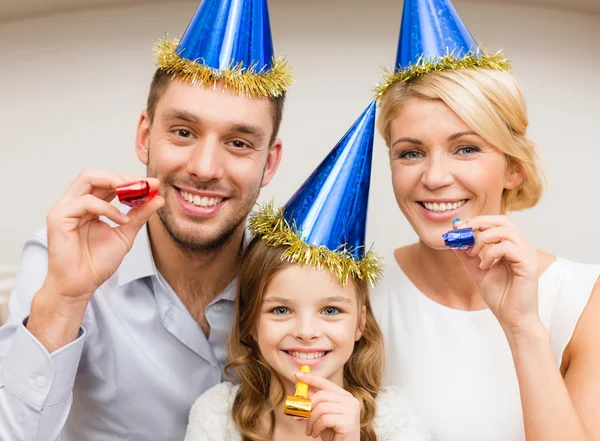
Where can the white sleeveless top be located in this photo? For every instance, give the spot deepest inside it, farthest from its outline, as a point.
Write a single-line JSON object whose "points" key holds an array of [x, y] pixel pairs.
{"points": [[456, 366], [211, 419]]}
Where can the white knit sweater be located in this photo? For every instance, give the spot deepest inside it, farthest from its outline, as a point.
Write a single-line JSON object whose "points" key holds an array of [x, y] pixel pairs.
{"points": [[210, 417]]}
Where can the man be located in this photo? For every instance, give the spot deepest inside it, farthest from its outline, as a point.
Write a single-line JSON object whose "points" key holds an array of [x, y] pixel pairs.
{"points": [[115, 331]]}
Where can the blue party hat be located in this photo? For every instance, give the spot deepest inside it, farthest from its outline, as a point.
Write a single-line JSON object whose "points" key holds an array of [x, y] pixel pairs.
{"points": [[433, 38], [324, 223], [228, 40]]}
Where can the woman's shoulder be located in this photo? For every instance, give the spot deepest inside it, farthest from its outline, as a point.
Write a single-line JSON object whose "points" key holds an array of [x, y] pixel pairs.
{"points": [[210, 417], [558, 274], [397, 418]]}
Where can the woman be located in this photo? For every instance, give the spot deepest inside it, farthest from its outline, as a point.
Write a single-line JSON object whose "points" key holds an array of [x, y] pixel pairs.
{"points": [[500, 341]]}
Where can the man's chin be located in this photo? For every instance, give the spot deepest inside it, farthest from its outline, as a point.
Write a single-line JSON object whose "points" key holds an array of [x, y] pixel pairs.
{"points": [[193, 236]]}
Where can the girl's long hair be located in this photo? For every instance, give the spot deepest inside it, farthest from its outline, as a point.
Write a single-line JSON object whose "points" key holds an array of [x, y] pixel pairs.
{"points": [[253, 411]]}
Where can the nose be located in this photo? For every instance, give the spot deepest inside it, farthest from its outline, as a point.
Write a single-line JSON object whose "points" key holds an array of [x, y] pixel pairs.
{"points": [[437, 173], [307, 328], [207, 160]]}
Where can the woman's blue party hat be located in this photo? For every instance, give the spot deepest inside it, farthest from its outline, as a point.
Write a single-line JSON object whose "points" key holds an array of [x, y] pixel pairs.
{"points": [[434, 38]]}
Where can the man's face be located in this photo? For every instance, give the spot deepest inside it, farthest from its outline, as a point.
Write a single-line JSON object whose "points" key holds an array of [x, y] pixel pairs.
{"points": [[211, 150]]}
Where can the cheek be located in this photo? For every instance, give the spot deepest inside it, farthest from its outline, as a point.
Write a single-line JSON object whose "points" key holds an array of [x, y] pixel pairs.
{"points": [[269, 334], [404, 181], [166, 158], [247, 171], [342, 334], [483, 177]]}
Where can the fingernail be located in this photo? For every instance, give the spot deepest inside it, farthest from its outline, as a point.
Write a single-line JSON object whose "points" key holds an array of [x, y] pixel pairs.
{"points": [[481, 265]]}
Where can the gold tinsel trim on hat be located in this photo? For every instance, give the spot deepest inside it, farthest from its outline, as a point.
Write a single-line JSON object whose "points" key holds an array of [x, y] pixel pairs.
{"points": [[270, 225], [246, 81], [471, 60]]}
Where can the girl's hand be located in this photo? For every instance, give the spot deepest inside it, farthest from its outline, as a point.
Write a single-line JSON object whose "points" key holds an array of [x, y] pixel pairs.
{"points": [[335, 413]]}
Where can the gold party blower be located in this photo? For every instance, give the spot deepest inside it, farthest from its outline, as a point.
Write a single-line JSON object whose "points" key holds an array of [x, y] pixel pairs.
{"points": [[299, 405]]}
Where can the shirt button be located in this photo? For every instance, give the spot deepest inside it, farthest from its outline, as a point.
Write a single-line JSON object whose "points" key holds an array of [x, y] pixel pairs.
{"points": [[216, 308], [40, 381]]}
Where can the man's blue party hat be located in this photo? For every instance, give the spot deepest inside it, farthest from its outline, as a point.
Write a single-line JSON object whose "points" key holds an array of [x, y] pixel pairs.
{"points": [[228, 40]]}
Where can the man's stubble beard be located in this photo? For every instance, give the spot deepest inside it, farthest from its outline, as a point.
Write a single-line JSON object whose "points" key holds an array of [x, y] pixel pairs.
{"points": [[190, 242]]}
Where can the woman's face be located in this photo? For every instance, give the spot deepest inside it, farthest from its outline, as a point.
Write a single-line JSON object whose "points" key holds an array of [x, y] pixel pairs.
{"points": [[441, 169], [307, 317]]}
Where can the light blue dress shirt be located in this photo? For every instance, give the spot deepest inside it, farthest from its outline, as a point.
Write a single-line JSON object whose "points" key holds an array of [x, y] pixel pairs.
{"points": [[135, 370]]}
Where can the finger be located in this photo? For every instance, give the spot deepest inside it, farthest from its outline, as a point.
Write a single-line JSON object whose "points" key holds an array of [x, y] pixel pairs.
{"points": [[482, 223], [504, 250], [320, 383], [89, 179], [87, 205], [327, 395], [493, 236], [471, 263], [327, 408], [325, 421], [138, 218]]}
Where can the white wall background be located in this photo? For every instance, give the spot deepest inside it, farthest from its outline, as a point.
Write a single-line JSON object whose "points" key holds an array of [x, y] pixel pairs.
{"points": [[72, 86]]}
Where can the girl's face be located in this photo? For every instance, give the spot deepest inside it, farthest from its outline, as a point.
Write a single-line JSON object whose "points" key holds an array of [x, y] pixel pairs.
{"points": [[308, 318], [441, 169]]}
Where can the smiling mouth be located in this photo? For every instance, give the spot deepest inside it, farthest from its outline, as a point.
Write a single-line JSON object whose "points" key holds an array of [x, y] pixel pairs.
{"points": [[307, 355], [200, 201], [442, 207]]}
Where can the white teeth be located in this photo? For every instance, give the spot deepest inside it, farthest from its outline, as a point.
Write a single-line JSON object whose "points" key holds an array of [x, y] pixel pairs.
{"points": [[200, 201], [307, 355], [443, 206]]}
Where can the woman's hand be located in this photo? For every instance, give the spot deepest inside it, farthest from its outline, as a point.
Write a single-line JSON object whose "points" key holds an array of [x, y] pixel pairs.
{"points": [[504, 266], [335, 413]]}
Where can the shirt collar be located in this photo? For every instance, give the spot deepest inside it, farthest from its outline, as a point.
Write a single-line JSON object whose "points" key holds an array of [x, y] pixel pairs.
{"points": [[138, 262]]}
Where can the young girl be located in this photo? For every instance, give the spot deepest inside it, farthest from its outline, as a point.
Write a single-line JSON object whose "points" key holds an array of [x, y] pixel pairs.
{"points": [[303, 300]]}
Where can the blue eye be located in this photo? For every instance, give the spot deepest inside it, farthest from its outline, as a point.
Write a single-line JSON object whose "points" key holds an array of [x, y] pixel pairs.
{"points": [[468, 150], [411, 155], [280, 310], [330, 310]]}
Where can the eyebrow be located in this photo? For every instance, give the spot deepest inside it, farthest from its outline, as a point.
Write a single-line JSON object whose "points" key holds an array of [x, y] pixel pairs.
{"points": [[181, 115], [326, 299], [461, 134], [406, 139], [248, 130]]}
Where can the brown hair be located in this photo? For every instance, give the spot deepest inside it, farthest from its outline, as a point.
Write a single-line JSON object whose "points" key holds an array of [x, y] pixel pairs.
{"points": [[161, 80], [362, 372], [491, 103]]}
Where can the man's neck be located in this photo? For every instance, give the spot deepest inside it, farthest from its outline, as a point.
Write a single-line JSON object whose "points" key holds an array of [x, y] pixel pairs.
{"points": [[199, 275]]}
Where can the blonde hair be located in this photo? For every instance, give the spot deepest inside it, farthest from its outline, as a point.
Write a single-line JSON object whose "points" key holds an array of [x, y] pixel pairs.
{"points": [[362, 372], [491, 103]]}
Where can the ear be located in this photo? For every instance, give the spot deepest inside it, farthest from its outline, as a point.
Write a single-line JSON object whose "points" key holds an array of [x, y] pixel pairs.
{"points": [[362, 322], [514, 176], [142, 138], [273, 161]]}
